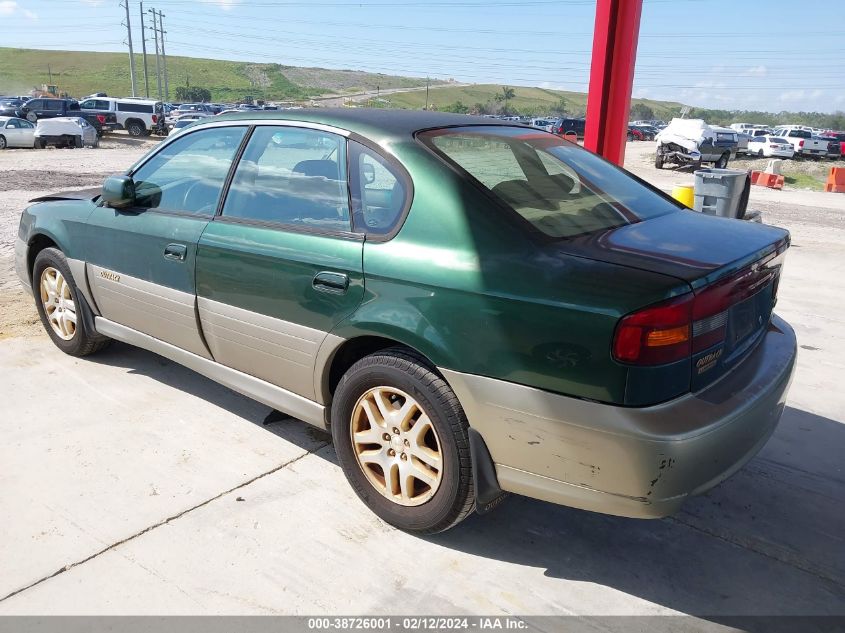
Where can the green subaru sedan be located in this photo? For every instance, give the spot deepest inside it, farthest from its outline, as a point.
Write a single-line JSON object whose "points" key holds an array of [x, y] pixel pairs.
{"points": [[471, 307]]}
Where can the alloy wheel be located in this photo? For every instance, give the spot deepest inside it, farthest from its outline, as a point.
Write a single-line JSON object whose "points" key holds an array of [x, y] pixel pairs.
{"points": [[396, 446], [57, 300]]}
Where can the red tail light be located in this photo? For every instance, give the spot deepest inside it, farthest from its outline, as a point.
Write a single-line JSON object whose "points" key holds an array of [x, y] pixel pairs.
{"points": [[773, 146], [155, 119], [101, 118], [655, 335], [801, 143], [673, 330]]}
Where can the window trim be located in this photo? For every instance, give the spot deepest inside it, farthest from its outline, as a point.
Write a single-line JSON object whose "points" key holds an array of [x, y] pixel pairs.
{"points": [[402, 175]]}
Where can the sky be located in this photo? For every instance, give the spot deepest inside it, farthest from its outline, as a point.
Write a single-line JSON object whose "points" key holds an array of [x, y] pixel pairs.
{"points": [[767, 55]]}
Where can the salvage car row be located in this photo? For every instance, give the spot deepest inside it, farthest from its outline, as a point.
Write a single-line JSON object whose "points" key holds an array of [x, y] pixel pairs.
{"points": [[59, 132]]}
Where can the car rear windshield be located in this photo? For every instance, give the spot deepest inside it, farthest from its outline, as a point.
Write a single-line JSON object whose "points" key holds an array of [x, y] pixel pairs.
{"points": [[561, 189], [777, 139]]}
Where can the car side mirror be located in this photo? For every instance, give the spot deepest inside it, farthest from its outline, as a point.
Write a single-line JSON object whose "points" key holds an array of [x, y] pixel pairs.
{"points": [[368, 173], [119, 191]]}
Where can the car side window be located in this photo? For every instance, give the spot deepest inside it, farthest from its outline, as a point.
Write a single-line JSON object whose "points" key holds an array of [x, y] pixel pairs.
{"points": [[25, 124], [379, 191], [188, 174], [12, 124], [292, 176]]}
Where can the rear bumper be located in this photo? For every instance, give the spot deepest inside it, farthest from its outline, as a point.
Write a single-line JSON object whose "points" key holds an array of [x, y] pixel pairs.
{"points": [[634, 462]]}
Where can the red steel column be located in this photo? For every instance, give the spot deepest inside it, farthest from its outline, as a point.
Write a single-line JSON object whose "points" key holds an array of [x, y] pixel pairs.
{"points": [[612, 76]]}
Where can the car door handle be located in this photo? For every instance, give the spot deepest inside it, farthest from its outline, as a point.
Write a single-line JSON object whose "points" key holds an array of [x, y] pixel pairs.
{"points": [[326, 281], [176, 252]]}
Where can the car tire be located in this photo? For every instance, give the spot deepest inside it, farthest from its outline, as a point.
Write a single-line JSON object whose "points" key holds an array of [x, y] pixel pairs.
{"points": [[31, 117], [723, 161], [3, 144], [437, 493], [78, 142], [759, 153], [135, 128], [60, 306], [629, 137], [658, 160]]}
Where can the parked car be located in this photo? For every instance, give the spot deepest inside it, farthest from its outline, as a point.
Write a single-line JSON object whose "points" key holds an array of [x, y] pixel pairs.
{"points": [[139, 117], [187, 118], [464, 322], [693, 142], [71, 131], [16, 132], [839, 136], [649, 131], [834, 146], [542, 124], [570, 125], [10, 106], [802, 140], [180, 125], [37, 109], [742, 140], [770, 146]]}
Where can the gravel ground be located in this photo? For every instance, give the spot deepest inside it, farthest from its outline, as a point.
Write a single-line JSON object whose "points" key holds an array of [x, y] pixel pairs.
{"points": [[27, 174]]}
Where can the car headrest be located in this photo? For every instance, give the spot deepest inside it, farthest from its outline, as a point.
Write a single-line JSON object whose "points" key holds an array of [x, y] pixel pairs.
{"points": [[325, 168]]}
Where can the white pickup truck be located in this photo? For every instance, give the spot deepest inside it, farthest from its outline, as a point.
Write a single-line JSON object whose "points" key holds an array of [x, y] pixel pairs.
{"points": [[802, 140]]}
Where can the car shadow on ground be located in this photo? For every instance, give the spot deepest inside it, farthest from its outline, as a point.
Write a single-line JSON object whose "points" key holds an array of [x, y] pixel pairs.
{"points": [[769, 541]]}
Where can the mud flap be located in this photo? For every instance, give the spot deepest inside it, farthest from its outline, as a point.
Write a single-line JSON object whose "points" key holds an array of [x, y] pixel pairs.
{"points": [[488, 494]]}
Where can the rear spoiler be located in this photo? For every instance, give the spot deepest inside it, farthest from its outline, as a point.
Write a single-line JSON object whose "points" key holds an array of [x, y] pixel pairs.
{"points": [[80, 194]]}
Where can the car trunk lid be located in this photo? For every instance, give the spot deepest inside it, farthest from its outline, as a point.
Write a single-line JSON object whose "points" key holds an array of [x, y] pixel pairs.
{"points": [[731, 271]]}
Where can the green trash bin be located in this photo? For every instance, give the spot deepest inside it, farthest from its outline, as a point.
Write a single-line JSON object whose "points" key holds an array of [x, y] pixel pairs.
{"points": [[722, 192]]}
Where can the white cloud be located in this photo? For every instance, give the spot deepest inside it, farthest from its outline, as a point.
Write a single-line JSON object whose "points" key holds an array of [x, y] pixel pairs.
{"points": [[226, 5], [10, 7], [757, 71]]}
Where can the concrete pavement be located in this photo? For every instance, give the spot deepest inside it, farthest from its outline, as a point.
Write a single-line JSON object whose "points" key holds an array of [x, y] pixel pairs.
{"points": [[132, 485]]}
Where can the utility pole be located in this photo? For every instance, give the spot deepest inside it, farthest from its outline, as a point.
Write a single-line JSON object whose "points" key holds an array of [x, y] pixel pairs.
{"points": [[163, 55], [144, 47], [426, 93], [131, 52], [158, 61]]}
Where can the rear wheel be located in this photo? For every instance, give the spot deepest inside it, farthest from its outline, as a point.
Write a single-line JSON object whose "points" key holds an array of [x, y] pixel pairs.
{"points": [[2, 142], [58, 305], [401, 437], [760, 153], [135, 128], [723, 161]]}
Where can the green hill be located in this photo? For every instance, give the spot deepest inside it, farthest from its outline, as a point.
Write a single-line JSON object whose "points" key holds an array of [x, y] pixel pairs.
{"points": [[80, 73], [525, 101]]}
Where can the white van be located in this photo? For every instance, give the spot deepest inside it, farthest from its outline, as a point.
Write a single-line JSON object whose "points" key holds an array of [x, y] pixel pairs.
{"points": [[139, 117]]}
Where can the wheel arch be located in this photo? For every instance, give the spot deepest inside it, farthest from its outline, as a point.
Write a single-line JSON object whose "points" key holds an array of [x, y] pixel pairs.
{"points": [[349, 352], [37, 243]]}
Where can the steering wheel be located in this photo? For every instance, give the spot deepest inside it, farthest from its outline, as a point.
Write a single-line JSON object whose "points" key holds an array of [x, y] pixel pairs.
{"points": [[194, 197]]}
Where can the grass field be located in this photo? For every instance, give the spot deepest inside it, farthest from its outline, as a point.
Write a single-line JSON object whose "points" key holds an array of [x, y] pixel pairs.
{"points": [[541, 99], [80, 73]]}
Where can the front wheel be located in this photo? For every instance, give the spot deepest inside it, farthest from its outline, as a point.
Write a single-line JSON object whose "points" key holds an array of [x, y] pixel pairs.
{"points": [[3, 144], [759, 153], [58, 304], [723, 161], [658, 160], [401, 437]]}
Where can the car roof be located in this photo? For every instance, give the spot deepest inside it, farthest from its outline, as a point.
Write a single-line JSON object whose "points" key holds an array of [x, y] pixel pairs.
{"points": [[368, 122]]}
